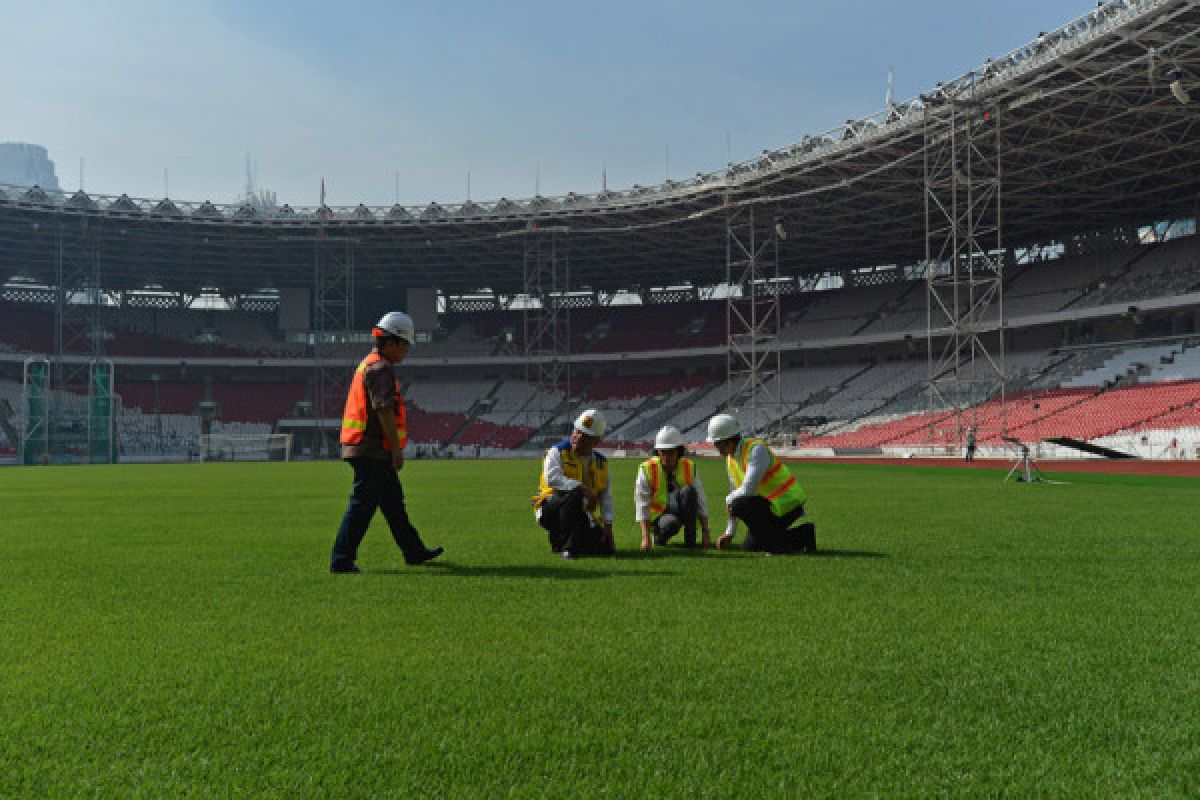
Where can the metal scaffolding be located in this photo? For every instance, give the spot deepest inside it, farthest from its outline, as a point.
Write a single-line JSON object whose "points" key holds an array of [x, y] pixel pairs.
{"points": [[78, 297], [546, 320], [964, 268], [333, 321], [752, 320]]}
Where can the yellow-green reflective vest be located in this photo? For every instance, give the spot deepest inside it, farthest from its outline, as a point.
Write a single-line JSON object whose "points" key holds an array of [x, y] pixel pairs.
{"points": [[653, 469], [777, 486]]}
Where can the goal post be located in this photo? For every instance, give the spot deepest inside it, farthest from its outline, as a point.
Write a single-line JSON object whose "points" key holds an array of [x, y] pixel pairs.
{"points": [[245, 447]]}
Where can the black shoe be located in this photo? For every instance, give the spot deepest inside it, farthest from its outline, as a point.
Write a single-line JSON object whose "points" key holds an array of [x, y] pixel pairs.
{"points": [[808, 538], [568, 555], [345, 570], [426, 555]]}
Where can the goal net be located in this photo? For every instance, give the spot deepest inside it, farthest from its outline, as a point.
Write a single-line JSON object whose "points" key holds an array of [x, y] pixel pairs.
{"points": [[245, 447]]}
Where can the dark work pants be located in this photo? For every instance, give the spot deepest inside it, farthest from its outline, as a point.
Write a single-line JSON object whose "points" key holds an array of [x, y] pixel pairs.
{"points": [[678, 518], [376, 485], [570, 527], [770, 533]]}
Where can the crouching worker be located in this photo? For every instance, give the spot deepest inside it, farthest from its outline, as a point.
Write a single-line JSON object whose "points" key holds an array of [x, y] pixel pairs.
{"points": [[668, 496], [574, 502], [765, 496]]}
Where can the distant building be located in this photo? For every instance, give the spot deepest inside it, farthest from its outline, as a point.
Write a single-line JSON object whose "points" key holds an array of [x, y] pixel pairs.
{"points": [[262, 200], [26, 165]]}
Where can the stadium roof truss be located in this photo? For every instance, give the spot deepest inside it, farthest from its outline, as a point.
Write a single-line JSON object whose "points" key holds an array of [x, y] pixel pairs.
{"points": [[1093, 137]]}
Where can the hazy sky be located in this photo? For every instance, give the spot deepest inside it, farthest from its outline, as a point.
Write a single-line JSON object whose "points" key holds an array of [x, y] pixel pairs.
{"points": [[356, 91]]}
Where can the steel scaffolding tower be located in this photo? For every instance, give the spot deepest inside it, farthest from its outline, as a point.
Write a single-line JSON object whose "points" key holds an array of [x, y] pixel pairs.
{"points": [[333, 321], [752, 320], [77, 301], [964, 267], [546, 319]]}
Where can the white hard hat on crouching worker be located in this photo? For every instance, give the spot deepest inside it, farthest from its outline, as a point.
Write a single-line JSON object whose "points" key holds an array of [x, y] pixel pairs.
{"points": [[668, 438], [398, 324], [591, 422], [723, 426]]}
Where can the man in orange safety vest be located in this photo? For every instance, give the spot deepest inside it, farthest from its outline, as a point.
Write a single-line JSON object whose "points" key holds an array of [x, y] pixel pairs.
{"points": [[374, 434]]}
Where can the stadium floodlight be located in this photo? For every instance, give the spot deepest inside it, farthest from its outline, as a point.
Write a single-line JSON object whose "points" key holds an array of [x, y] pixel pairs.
{"points": [[1180, 91]]}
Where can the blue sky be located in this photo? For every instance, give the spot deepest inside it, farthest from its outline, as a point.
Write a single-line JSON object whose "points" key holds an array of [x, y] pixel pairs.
{"points": [[356, 92]]}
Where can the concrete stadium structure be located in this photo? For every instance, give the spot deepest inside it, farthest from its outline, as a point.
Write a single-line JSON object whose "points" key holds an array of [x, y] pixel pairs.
{"points": [[1051, 194]]}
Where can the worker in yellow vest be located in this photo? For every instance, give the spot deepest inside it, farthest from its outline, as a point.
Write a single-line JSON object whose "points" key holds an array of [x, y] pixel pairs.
{"points": [[668, 495], [574, 503], [374, 433], [764, 494]]}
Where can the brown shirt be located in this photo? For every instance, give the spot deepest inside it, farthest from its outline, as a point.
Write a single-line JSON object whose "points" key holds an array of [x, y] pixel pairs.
{"points": [[380, 383]]}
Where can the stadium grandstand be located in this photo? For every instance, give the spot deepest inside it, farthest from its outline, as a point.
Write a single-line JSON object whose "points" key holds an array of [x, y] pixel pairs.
{"points": [[1013, 251]]}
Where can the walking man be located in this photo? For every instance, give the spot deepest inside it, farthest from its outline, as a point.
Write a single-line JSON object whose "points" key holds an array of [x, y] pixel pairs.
{"points": [[764, 494], [373, 437], [668, 495], [574, 503]]}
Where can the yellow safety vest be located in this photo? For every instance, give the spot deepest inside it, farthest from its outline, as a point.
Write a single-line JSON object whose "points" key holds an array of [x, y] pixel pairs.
{"points": [[777, 486], [573, 469], [653, 470]]}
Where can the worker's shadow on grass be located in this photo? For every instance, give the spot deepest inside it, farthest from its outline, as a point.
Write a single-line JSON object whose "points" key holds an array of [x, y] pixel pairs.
{"points": [[678, 551], [848, 554], [581, 570]]}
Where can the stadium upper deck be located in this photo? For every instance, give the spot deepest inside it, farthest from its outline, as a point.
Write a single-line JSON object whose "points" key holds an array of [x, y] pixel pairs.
{"points": [[1091, 133]]}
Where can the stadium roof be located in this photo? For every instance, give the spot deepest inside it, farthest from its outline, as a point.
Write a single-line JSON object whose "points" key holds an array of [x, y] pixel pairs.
{"points": [[1092, 135]]}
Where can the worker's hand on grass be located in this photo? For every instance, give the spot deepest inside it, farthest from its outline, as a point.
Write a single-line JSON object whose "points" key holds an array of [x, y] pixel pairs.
{"points": [[724, 541], [398, 459]]}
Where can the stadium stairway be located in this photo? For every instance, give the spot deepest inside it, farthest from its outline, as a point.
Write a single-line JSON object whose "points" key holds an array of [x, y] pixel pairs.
{"points": [[828, 393], [651, 412], [1112, 278], [887, 307], [480, 405], [564, 408]]}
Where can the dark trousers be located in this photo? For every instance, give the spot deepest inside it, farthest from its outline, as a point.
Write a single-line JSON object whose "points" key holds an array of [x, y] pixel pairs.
{"points": [[680, 515], [571, 528], [970, 452], [774, 534], [376, 485]]}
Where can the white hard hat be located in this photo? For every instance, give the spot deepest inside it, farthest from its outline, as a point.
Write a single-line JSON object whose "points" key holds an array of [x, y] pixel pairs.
{"points": [[669, 437], [591, 422], [723, 426], [398, 324]]}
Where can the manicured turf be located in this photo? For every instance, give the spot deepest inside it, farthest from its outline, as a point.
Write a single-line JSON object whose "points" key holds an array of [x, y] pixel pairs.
{"points": [[172, 630]]}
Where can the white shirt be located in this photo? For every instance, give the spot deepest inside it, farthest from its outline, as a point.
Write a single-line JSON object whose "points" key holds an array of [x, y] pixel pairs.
{"points": [[642, 497], [557, 479], [757, 463]]}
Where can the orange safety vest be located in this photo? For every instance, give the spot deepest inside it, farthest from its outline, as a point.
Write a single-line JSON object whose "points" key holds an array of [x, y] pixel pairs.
{"points": [[658, 489], [358, 408]]}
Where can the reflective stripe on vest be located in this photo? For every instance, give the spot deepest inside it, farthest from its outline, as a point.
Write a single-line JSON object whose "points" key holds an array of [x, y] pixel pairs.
{"points": [[658, 492], [777, 486], [358, 408]]}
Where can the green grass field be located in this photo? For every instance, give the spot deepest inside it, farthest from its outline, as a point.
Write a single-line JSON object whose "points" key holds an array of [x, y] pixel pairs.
{"points": [[172, 630]]}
